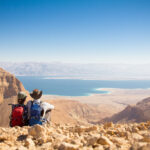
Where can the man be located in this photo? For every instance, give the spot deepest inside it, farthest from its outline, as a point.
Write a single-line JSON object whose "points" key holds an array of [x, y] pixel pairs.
{"points": [[18, 115], [38, 111]]}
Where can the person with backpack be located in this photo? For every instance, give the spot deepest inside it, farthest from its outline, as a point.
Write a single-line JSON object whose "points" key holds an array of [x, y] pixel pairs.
{"points": [[18, 115], [38, 111]]}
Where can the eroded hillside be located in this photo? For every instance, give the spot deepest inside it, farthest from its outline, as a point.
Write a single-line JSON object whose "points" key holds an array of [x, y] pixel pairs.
{"points": [[137, 113], [9, 85]]}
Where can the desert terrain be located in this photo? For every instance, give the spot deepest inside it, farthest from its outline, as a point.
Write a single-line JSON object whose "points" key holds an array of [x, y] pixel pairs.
{"points": [[79, 122], [113, 102]]}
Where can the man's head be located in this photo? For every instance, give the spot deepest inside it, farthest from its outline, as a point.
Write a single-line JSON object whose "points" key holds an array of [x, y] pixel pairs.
{"points": [[36, 94], [21, 97]]}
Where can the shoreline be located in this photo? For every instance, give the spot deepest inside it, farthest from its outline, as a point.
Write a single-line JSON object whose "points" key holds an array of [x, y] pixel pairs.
{"points": [[89, 94], [108, 92], [116, 100]]}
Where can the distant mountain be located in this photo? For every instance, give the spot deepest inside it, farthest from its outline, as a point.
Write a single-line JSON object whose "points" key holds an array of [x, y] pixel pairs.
{"points": [[138, 113], [79, 71]]}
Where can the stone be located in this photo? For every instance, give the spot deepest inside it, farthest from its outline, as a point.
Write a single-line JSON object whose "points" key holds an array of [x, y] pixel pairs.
{"points": [[46, 146], [108, 125], [121, 133], [59, 131], [67, 146], [146, 139], [37, 131], [119, 141], [99, 148], [111, 132], [92, 128], [92, 140], [79, 129], [76, 142], [21, 148], [29, 143], [140, 146], [135, 129], [142, 127], [136, 136], [103, 140]]}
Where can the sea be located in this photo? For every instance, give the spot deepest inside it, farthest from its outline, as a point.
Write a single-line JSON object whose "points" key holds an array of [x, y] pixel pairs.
{"points": [[78, 87]]}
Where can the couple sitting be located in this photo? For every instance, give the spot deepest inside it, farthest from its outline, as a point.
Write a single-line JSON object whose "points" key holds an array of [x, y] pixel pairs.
{"points": [[35, 112]]}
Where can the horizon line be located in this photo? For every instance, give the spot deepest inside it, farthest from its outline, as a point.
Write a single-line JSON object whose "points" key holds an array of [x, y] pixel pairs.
{"points": [[63, 62]]}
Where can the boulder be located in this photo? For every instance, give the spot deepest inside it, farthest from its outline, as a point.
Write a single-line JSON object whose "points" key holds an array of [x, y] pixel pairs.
{"points": [[37, 131], [103, 140], [136, 136], [92, 139], [29, 143], [108, 125], [68, 146]]}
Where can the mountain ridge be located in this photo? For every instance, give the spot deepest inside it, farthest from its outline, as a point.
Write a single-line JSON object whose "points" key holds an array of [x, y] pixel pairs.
{"points": [[76, 70], [132, 113]]}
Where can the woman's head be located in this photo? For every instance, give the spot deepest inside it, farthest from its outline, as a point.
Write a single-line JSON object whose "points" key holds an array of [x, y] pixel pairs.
{"points": [[21, 97]]}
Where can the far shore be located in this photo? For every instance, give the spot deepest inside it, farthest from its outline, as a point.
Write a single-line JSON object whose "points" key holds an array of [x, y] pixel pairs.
{"points": [[92, 78]]}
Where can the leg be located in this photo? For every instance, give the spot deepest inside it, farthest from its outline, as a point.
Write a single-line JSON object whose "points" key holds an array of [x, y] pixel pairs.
{"points": [[48, 116]]}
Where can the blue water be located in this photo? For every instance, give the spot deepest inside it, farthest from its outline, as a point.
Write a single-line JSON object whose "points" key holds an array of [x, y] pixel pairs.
{"points": [[75, 87]]}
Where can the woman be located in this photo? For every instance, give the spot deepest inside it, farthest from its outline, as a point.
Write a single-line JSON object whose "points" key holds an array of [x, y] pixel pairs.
{"points": [[18, 115]]}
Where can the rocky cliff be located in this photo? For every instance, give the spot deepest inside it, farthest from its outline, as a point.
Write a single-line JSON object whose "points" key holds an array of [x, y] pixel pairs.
{"points": [[9, 87], [138, 113], [107, 136]]}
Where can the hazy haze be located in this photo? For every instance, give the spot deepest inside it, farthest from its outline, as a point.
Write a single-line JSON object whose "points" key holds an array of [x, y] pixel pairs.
{"points": [[80, 71]]}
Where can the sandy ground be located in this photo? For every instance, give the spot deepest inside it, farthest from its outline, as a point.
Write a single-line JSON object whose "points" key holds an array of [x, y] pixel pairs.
{"points": [[115, 101]]}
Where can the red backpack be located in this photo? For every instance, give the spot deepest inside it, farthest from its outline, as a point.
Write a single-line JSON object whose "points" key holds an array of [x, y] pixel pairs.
{"points": [[17, 116]]}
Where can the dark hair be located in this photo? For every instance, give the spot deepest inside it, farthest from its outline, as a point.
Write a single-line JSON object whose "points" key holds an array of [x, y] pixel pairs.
{"points": [[21, 101]]}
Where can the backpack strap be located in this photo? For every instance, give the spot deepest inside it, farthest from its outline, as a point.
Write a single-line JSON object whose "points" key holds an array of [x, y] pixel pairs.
{"points": [[12, 108], [31, 103]]}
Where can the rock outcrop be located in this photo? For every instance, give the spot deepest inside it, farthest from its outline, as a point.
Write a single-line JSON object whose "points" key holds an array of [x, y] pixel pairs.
{"points": [[133, 136], [9, 85], [138, 113], [9, 88]]}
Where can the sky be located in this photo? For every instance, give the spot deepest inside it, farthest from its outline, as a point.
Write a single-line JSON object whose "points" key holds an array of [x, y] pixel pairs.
{"points": [[75, 31]]}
